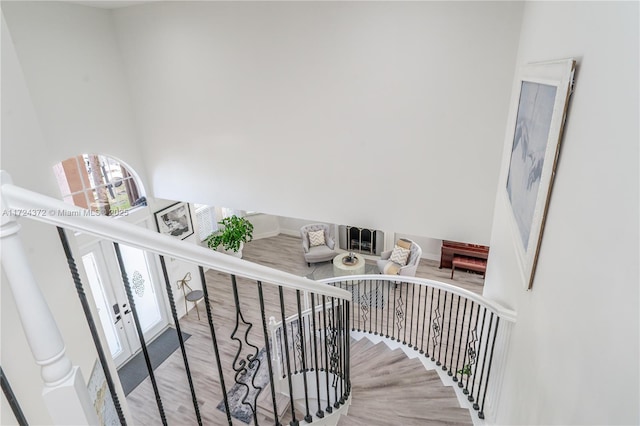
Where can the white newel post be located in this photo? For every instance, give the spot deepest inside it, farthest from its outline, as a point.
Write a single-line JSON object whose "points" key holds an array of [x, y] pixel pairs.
{"points": [[65, 392]]}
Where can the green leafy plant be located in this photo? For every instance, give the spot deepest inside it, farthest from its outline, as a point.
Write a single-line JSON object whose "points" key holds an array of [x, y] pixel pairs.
{"points": [[237, 230], [465, 370]]}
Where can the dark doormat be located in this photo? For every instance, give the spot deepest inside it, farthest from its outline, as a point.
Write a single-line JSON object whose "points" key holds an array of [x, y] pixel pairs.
{"points": [[135, 371]]}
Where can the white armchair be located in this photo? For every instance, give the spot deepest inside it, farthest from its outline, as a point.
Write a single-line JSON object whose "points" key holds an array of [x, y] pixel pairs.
{"points": [[411, 266], [317, 253]]}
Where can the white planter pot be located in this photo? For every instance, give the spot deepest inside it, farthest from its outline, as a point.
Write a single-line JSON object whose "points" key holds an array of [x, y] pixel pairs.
{"points": [[233, 253]]}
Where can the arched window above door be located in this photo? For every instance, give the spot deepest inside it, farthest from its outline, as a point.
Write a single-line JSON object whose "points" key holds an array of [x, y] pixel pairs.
{"points": [[99, 183]]}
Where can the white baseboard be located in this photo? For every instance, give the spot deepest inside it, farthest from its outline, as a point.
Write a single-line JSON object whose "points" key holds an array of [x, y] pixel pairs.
{"points": [[431, 256], [291, 232], [266, 235]]}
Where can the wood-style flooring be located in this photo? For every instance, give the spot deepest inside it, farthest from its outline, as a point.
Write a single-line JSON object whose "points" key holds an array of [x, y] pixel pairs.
{"points": [[283, 253]]}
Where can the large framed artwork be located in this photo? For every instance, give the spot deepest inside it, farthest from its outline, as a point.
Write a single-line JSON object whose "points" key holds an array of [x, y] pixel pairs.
{"points": [[175, 220], [533, 145]]}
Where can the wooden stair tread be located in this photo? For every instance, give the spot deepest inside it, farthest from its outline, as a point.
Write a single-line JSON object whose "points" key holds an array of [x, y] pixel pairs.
{"points": [[390, 388]]}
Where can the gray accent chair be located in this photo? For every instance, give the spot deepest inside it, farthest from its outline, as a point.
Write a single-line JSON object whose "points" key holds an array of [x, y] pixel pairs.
{"points": [[409, 270], [318, 253]]}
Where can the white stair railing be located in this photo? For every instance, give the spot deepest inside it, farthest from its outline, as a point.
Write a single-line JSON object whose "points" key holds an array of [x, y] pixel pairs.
{"points": [[65, 392]]}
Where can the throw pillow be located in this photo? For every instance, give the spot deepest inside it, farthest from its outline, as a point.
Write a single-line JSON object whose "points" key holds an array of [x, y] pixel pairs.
{"points": [[391, 268], [400, 255], [404, 243], [316, 238]]}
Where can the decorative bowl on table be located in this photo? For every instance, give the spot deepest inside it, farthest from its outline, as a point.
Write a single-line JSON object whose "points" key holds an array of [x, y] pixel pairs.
{"points": [[350, 259]]}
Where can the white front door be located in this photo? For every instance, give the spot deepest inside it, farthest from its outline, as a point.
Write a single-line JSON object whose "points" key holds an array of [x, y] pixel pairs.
{"points": [[111, 300]]}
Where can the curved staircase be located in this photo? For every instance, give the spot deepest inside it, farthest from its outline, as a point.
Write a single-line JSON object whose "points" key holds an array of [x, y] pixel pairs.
{"points": [[391, 389]]}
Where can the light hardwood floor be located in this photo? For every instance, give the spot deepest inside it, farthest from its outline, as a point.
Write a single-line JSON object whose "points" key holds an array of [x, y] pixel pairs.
{"points": [[283, 253]]}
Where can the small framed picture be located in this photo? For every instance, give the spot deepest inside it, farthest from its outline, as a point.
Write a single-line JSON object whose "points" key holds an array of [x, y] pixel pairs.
{"points": [[175, 220]]}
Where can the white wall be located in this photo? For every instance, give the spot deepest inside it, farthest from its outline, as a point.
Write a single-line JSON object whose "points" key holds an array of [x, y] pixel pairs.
{"points": [[574, 354], [63, 93], [24, 153], [258, 105]]}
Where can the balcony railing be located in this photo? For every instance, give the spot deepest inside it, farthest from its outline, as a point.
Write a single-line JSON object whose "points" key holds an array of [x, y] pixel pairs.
{"points": [[460, 334], [65, 389]]}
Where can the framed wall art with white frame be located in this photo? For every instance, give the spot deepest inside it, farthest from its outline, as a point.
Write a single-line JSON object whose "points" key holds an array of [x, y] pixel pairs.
{"points": [[533, 145]]}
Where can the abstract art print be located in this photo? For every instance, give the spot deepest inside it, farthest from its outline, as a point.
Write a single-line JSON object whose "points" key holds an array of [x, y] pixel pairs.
{"points": [[175, 220], [534, 145], [533, 122]]}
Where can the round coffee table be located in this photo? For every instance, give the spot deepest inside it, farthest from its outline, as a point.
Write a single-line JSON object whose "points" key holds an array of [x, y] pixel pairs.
{"points": [[340, 268]]}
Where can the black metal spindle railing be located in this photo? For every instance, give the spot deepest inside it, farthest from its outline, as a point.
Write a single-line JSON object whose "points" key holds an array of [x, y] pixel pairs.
{"points": [[464, 313], [214, 341], [141, 338], [446, 326], [176, 322], [444, 364], [484, 360], [319, 413], [475, 372], [328, 408], [442, 328], [267, 345], [307, 416], [486, 385], [92, 324], [309, 351], [294, 422]]}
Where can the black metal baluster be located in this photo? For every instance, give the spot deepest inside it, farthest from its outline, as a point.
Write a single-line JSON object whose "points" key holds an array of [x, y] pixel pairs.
{"points": [[279, 333], [347, 338], [436, 328], [92, 326], [418, 317], [295, 348], [311, 333], [406, 313], [460, 347], [388, 283], [446, 349], [375, 332], [486, 384], [473, 383], [455, 334], [13, 401], [214, 341], [323, 361], [136, 321], [307, 417], [252, 362], [340, 351], [359, 308], [293, 422], [472, 350], [328, 409], [413, 301], [430, 327], [467, 351], [370, 305], [335, 350], [176, 321], [444, 312], [319, 413], [484, 360], [267, 347]]}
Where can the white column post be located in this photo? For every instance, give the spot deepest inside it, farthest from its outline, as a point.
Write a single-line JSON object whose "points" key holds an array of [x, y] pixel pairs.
{"points": [[65, 391]]}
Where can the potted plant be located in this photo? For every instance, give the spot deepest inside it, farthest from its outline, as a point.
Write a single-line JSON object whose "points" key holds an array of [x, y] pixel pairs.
{"points": [[236, 231]]}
